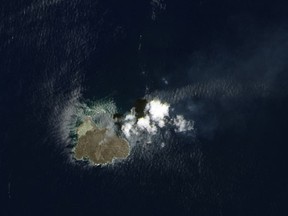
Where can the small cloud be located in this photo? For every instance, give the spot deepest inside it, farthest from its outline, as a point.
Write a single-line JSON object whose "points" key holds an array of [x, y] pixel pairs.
{"points": [[157, 110], [182, 124], [165, 81], [145, 124], [156, 115]]}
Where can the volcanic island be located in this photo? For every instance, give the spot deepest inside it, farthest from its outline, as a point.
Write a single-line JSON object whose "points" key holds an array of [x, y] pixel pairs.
{"points": [[99, 145]]}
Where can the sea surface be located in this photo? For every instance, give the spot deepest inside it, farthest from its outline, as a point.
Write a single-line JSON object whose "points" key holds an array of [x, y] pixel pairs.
{"points": [[221, 64]]}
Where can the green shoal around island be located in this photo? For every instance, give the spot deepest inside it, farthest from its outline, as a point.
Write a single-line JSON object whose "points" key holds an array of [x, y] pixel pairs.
{"points": [[98, 145]]}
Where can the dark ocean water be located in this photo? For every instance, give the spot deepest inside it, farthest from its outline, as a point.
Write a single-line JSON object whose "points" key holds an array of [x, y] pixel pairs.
{"points": [[236, 164]]}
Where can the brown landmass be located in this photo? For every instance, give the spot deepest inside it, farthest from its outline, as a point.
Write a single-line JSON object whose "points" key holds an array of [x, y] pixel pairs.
{"points": [[100, 148]]}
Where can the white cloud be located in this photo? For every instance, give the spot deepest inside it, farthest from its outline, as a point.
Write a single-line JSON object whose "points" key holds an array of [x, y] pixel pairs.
{"points": [[181, 124], [145, 124], [158, 111], [156, 115], [126, 128]]}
